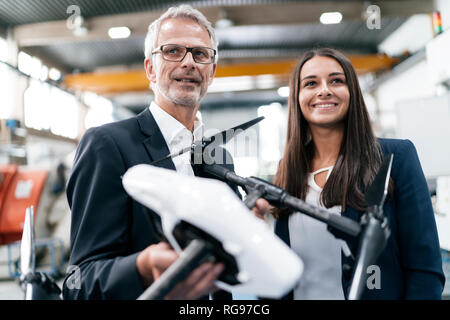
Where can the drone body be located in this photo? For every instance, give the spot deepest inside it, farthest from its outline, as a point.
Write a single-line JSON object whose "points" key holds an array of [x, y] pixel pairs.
{"points": [[208, 208]]}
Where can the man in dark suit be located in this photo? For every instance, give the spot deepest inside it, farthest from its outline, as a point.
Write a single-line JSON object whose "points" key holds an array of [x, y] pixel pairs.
{"points": [[112, 244]]}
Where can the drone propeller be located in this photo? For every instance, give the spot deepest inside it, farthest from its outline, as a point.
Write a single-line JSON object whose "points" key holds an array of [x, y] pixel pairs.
{"points": [[215, 140], [376, 230], [377, 191]]}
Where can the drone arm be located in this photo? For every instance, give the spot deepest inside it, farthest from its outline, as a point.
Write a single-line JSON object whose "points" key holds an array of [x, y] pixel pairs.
{"points": [[253, 196], [277, 196]]}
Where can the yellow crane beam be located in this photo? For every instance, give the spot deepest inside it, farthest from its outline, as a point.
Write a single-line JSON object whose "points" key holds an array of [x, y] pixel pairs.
{"points": [[136, 80]]}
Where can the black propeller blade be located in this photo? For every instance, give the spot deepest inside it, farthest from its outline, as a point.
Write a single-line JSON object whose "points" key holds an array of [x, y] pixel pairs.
{"points": [[217, 139], [376, 193]]}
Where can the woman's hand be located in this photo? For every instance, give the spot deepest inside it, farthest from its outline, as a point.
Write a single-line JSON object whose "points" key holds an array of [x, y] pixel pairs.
{"points": [[261, 208]]}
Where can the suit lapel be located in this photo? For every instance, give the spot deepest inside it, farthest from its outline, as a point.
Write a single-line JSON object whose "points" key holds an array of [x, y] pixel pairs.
{"points": [[154, 142], [282, 229]]}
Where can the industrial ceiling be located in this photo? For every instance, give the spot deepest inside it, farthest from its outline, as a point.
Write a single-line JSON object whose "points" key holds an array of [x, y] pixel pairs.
{"points": [[261, 35]]}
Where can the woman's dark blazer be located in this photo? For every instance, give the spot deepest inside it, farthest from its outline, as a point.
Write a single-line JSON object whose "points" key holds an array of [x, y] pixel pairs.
{"points": [[411, 264]]}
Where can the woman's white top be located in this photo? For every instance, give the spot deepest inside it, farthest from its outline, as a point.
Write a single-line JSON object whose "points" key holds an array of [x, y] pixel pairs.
{"points": [[319, 250]]}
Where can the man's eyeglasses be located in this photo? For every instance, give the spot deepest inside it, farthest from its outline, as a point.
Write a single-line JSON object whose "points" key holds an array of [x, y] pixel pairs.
{"points": [[176, 53]]}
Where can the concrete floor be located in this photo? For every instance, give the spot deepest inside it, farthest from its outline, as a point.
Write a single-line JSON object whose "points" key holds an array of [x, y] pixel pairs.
{"points": [[10, 290]]}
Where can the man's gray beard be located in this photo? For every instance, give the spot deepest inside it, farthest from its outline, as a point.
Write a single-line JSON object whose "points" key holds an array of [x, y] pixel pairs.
{"points": [[186, 101]]}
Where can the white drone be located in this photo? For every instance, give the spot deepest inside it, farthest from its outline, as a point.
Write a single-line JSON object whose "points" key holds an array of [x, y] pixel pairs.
{"points": [[266, 266]]}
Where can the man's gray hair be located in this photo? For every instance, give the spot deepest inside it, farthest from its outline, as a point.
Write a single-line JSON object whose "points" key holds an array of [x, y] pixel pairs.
{"points": [[182, 11]]}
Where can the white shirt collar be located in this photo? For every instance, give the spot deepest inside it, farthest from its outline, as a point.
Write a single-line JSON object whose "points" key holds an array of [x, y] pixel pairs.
{"points": [[171, 128]]}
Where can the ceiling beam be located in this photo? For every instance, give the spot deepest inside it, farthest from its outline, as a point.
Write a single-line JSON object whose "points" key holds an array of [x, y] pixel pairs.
{"points": [[136, 80], [49, 33], [54, 32], [108, 82]]}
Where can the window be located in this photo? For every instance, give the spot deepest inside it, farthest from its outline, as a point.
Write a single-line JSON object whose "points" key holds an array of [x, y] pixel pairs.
{"points": [[100, 110], [37, 106], [50, 108], [31, 66], [270, 131], [64, 117], [5, 82]]}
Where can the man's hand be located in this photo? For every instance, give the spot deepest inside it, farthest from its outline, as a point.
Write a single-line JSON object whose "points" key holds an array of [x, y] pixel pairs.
{"points": [[261, 208], [155, 259]]}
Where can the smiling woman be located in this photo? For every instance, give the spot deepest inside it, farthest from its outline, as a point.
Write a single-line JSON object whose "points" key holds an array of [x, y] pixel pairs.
{"points": [[324, 97], [330, 159], [339, 135]]}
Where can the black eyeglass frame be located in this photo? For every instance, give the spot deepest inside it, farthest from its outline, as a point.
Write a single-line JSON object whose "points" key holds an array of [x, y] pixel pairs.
{"points": [[188, 49]]}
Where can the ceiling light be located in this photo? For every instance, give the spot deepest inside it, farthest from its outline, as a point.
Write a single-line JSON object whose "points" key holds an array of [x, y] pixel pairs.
{"points": [[283, 92], [331, 17], [54, 74], [224, 21], [119, 32]]}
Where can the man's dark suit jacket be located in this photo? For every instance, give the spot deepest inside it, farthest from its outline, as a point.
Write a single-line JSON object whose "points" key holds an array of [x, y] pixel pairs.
{"points": [[109, 228], [411, 263]]}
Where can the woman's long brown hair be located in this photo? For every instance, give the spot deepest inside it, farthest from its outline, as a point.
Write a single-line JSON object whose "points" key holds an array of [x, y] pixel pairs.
{"points": [[359, 156]]}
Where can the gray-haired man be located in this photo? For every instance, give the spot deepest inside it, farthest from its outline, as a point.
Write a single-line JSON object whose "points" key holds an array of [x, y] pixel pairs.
{"points": [[112, 245]]}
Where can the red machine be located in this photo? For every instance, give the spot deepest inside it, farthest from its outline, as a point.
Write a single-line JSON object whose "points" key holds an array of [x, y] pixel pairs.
{"points": [[19, 189]]}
